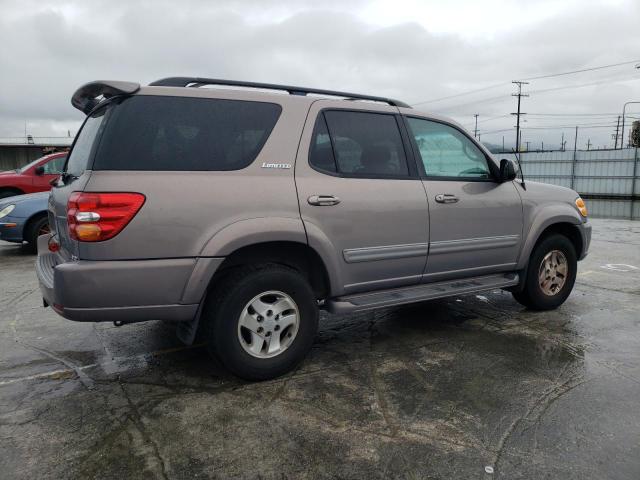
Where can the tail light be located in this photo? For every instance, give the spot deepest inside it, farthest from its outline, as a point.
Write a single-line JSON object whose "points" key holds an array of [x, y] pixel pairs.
{"points": [[94, 217]]}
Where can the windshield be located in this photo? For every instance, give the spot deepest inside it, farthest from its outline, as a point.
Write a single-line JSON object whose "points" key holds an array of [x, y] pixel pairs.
{"points": [[28, 165]]}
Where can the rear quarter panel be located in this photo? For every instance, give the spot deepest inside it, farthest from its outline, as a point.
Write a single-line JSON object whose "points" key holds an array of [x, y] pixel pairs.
{"points": [[185, 212]]}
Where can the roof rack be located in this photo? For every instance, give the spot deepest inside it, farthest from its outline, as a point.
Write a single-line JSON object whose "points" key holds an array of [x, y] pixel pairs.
{"points": [[198, 82]]}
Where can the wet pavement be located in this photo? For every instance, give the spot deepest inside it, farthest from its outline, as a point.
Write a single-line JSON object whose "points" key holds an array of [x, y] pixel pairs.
{"points": [[446, 389]]}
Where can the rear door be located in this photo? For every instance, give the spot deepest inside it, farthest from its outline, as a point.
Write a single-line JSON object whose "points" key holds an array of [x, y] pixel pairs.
{"points": [[475, 221], [75, 179], [361, 200]]}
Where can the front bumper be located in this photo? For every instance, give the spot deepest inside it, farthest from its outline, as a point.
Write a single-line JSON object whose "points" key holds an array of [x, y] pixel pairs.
{"points": [[126, 290], [585, 234], [12, 229]]}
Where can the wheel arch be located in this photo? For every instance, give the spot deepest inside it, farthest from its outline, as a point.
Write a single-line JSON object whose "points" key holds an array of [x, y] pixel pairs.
{"points": [[567, 225], [30, 221], [296, 255]]}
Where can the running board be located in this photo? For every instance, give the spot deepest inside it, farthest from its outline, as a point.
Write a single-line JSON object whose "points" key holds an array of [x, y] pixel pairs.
{"points": [[420, 293]]}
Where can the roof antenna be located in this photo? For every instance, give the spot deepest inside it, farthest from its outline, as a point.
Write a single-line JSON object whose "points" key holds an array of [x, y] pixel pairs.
{"points": [[520, 168]]}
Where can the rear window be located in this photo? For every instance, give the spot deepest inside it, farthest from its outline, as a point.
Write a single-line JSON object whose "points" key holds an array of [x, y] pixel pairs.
{"points": [[177, 133], [84, 144]]}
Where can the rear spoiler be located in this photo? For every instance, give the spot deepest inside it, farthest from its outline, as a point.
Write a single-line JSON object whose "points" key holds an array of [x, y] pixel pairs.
{"points": [[88, 96]]}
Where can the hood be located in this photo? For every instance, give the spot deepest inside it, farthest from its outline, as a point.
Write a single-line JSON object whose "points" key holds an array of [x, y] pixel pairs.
{"points": [[17, 199], [549, 192], [8, 172]]}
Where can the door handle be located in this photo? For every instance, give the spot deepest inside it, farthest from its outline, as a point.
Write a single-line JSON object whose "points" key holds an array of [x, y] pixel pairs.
{"points": [[323, 200], [446, 198]]}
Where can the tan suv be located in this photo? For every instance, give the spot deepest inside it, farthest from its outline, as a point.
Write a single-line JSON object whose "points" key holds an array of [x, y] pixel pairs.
{"points": [[239, 212]]}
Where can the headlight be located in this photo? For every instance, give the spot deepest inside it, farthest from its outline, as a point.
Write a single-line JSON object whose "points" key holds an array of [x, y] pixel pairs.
{"points": [[582, 207], [6, 210]]}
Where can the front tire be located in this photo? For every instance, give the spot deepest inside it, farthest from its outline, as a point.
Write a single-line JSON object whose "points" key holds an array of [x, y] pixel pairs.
{"points": [[261, 321], [551, 274]]}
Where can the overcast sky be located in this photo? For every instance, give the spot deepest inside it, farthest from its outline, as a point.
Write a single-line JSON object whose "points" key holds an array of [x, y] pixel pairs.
{"points": [[412, 50]]}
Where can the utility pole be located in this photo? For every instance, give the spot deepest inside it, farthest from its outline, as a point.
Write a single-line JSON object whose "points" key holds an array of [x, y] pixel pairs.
{"points": [[520, 137], [502, 143], [575, 141], [527, 145], [588, 144], [475, 130], [543, 146], [562, 143], [615, 145], [518, 113]]}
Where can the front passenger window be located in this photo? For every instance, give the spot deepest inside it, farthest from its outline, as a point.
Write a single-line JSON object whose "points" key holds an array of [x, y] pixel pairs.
{"points": [[447, 152]]}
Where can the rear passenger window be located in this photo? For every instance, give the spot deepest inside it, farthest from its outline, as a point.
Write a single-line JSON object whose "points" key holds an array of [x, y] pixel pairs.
{"points": [[363, 144], [321, 155], [179, 133]]}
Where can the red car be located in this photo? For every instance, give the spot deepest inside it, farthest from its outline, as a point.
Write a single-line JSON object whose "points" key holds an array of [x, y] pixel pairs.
{"points": [[34, 177]]}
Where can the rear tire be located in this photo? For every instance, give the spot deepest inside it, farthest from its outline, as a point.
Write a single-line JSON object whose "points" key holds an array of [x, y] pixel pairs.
{"points": [[35, 228], [551, 274], [261, 321]]}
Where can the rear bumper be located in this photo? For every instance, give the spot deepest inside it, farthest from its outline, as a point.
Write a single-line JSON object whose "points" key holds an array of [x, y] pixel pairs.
{"points": [[125, 290], [585, 233]]}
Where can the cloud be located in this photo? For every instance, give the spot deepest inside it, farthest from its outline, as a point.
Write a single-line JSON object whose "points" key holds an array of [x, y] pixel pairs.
{"points": [[48, 49]]}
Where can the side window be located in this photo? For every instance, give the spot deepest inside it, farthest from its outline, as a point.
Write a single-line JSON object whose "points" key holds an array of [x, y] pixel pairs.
{"points": [[321, 154], [447, 152], [365, 144], [79, 156], [55, 166]]}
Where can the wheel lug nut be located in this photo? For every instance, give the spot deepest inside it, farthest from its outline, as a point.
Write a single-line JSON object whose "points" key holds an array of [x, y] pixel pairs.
{"points": [[260, 318], [277, 328], [268, 334], [269, 313], [260, 329]]}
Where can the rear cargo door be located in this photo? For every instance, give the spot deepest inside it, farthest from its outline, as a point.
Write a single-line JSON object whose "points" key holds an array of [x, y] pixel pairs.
{"points": [[74, 178]]}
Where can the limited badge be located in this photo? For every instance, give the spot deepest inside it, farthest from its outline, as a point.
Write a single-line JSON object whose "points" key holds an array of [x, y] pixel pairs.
{"points": [[276, 165]]}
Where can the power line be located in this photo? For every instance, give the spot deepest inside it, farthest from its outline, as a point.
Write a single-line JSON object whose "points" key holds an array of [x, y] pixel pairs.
{"points": [[600, 82], [583, 70], [490, 87], [550, 75], [576, 114], [555, 127]]}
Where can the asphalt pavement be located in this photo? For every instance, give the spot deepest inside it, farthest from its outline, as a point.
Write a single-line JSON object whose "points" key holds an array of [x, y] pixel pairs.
{"points": [[469, 387]]}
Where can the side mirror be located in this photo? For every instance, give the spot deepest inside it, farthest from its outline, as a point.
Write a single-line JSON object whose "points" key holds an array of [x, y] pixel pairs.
{"points": [[39, 170], [507, 170]]}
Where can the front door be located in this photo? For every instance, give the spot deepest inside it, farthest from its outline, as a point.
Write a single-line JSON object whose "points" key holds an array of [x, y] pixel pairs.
{"points": [[362, 203], [475, 221], [51, 171]]}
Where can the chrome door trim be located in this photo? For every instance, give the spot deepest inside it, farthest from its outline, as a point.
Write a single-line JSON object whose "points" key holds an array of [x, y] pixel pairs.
{"points": [[387, 252], [469, 244]]}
